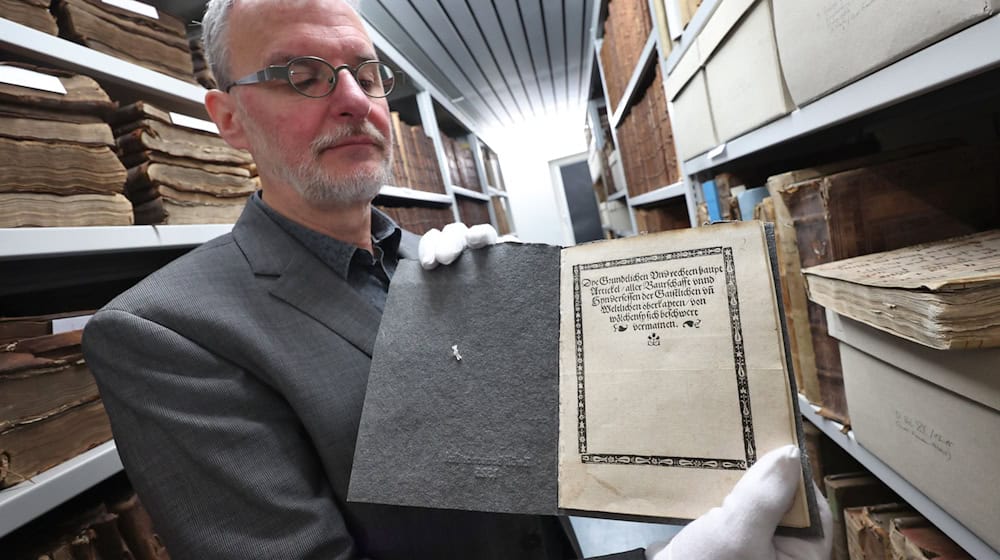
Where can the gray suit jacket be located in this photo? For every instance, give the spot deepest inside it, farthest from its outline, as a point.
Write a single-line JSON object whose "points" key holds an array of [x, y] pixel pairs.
{"points": [[234, 379]]}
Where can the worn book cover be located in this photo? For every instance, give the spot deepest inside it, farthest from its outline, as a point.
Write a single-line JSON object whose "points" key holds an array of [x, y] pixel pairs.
{"points": [[634, 378]]}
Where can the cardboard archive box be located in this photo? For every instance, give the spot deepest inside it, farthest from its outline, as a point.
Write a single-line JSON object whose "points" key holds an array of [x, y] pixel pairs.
{"points": [[745, 84], [690, 113], [933, 416], [827, 44]]}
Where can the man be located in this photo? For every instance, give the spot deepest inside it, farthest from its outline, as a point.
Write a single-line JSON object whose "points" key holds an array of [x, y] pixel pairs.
{"points": [[234, 377]]}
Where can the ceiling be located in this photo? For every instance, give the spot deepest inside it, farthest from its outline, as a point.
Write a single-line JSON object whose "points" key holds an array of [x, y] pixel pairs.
{"points": [[500, 62]]}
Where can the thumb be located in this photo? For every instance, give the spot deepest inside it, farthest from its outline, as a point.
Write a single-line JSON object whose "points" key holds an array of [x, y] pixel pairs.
{"points": [[763, 495]]}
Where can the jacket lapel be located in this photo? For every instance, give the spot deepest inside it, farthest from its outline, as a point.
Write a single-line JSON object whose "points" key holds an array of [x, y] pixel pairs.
{"points": [[298, 278]]}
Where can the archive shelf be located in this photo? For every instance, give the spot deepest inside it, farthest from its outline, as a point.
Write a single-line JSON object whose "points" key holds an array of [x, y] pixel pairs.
{"points": [[27, 500], [468, 193], [661, 194], [408, 194], [928, 508], [171, 93], [960, 56], [18, 243]]}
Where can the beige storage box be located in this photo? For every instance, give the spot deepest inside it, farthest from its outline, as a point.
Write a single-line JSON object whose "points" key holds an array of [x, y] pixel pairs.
{"points": [[745, 84], [690, 114], [827, 44], [930, 415]]}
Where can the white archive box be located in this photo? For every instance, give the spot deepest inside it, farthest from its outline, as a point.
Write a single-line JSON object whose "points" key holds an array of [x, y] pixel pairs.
{"points": [[745, 84], [931, 415], [690, 113], [827, 44]]}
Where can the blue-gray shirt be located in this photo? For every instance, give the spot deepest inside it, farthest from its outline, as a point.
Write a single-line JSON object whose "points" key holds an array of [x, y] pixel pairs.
{"points": [[367, 273]]}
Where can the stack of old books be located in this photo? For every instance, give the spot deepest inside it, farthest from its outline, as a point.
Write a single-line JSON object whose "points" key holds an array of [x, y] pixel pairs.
{"points": [[625, 32], [107, 522], [202, 73], [180, 171], [416, 164], [646, 142], [419, 219], [473, 211], [461, 163], [135, 32], [50, 410], [57, 159], [33, 13], [865, 206], [944, 294]]}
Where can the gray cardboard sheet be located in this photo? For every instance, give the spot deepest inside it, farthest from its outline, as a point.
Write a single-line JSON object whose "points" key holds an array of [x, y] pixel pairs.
{"points": [[480, 433]]}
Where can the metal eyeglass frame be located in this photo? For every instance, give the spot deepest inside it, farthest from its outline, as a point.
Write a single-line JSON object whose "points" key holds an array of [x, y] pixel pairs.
{"points": [[280, 72]]}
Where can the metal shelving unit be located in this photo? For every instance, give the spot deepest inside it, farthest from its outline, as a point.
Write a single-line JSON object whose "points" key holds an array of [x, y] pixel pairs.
{"points": [[16, 243], [25, 501], [468, 193], [940, 518], [171, 93], [661, 194], [965, 54], [406, 193]]}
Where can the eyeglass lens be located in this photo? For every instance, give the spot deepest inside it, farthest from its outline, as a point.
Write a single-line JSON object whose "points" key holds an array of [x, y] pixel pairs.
{"points": [[315, 78]]}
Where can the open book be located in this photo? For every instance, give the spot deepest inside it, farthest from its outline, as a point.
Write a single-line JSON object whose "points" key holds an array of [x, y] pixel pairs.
{"points": [[635, 378]]}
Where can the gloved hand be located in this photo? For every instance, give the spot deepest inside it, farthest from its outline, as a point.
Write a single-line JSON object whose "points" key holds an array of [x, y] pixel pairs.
{"points": [[743, 528], [444, 246]]}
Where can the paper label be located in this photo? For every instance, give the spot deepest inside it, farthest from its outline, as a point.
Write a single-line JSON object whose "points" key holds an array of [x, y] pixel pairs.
{"points": [[191, 122], [69, 324], [30, 79], [136, 7]]}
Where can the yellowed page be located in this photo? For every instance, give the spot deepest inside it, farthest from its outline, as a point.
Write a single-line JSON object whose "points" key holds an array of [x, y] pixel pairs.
{"points": [[672, 377], [958, 263]]}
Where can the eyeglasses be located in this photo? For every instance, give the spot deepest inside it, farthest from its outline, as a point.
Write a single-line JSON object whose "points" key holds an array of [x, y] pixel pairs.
{"points": [[314, 77]]}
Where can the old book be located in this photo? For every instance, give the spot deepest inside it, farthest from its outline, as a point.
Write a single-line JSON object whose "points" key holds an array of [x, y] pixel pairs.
{"points": [[31, 390], [28, 449], [221, 185], [914, 538], [636, 377], [92, 134], [155, 43], [149, 134], [136, 159], [21, 209], [473, 211], [16, 328], [110, 543], [881, 207], [943, 294], [868, 529], [401, 151], [83, 94], [177, 208], [137, 529], [33, 13], [28, 167], [848, 490]]}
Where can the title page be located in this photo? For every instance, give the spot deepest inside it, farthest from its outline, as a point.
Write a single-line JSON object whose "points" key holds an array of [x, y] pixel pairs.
{"points": [[671, 380]]}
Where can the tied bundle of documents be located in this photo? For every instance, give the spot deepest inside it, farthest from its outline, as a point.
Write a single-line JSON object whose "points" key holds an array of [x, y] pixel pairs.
{"points": [[638, 377], [943, 294]]}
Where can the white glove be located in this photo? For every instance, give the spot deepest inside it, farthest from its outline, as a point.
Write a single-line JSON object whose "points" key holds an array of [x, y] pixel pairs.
{"points": [[743, 528], [444, 246]]}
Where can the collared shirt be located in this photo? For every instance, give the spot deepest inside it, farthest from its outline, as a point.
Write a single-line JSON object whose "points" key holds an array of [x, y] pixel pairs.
{"points": [[367, 273]]}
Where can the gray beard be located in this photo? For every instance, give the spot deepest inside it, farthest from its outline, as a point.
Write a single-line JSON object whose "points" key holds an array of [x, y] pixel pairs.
{"points": [[320, 188]]}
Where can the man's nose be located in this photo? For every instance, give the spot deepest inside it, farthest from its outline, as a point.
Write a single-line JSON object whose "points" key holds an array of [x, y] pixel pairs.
{"points": [[348, 100]]}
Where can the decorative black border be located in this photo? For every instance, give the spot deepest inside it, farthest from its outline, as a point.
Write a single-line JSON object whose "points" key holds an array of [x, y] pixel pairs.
{"points": [[739, 357]]}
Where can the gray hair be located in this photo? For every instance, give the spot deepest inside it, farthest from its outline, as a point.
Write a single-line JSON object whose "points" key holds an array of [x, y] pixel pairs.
{"points": [[214, 35]]}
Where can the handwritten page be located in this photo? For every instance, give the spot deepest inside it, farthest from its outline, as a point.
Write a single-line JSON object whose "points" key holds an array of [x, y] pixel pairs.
{"points": [[962, 262], [672, 381]]}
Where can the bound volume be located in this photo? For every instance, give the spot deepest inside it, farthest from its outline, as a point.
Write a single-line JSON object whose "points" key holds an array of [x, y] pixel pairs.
{"points": [[633, 378]]}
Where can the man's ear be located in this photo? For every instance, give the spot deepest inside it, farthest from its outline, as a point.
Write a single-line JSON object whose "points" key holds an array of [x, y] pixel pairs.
{"points": [[222, 110]]}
